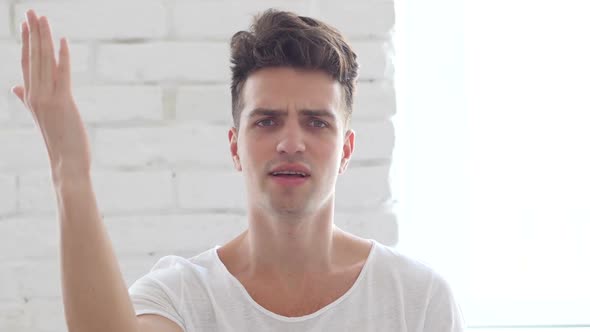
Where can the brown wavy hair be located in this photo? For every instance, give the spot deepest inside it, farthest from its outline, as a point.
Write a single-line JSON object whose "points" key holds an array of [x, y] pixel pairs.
{"points": [[284, 39]]}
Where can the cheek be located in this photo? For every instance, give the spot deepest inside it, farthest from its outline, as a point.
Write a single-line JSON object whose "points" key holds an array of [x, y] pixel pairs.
{"points": [[329, 159], [254, 153], [333, 150]]}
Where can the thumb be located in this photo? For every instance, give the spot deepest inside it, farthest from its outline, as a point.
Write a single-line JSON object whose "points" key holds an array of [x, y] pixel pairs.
{"points": [[19, 91]]}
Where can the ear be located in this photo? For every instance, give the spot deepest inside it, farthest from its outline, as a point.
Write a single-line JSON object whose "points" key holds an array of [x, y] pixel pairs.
{"points": [[233, 147], [347, 150]]}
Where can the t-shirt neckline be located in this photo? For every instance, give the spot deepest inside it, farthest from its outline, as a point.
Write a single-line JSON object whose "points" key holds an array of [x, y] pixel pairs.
{"points": [[267, 312]]}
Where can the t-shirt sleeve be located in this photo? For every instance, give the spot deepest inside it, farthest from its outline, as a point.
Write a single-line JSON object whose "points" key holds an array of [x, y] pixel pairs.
{"points": [[443, 314], [158, 292]]}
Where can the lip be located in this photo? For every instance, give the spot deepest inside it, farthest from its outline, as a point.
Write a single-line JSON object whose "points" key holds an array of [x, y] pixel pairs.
{"points": [[289, 181], [292, 167]]}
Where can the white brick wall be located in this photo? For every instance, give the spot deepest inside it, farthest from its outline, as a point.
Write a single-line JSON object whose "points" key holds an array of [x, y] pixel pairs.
{"points": [[176, 61], [146, 82], [8, 194], [5, 20], [221, 19], [101, 20], [358, 19]]}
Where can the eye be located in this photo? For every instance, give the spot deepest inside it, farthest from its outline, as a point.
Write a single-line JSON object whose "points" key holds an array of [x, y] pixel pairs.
{"points": [[315, 123], [322, 123], [261, 121]]}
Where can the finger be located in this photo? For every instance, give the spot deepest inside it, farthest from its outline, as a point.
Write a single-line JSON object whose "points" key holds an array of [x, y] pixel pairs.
{"points": [[34, 53], [63, 83], [19, 91], [25, 54], [48, 63]]}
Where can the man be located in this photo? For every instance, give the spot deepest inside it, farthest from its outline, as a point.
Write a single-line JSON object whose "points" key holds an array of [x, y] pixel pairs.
{"points": [[292, 269]]}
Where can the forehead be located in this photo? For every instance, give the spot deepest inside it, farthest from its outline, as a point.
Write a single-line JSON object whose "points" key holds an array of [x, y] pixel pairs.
{"points": [[288, 88]]}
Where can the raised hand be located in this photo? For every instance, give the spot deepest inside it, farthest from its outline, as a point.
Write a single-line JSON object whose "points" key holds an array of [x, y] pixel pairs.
{"points": [[47, 94]]}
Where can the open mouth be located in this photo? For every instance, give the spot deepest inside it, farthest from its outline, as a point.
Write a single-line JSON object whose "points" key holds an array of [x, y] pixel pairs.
{"points": [[290, 179]]}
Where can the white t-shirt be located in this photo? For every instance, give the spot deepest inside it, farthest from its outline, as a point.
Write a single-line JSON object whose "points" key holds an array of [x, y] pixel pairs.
{"points": [[392, 293]]}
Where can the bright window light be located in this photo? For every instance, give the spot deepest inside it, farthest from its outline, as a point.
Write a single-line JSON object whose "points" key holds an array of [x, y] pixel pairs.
{"points": [[493, 154]]}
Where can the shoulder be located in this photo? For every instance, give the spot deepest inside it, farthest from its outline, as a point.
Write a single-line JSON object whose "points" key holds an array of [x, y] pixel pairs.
{"points": [[402, 265], [408, 272], [173, 272], [421, 287], [178, 263]]}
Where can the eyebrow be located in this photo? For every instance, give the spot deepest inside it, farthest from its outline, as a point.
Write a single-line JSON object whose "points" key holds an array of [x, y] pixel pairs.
{"points": [[270, 112]]}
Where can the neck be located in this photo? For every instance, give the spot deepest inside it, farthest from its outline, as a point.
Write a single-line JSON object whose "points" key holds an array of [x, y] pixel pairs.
{"points": [[293, 251]]}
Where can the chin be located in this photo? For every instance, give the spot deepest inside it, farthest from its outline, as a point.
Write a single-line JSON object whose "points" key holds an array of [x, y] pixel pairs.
{"points": [[284, 208]]}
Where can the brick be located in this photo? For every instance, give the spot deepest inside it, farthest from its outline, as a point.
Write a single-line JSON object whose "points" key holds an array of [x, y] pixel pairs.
{"points": [[115, 191], [47, 314], [363, 188], [7, 194], [374, 101], [373, 59], [40, 277], [356, 19], [15, 317], [215, 19], [5, 19], [10, 289], [177, 144], [132, 104], [160, 235], [5, 112], [164, 61], [206, 103], [133, 191], [373, 140], [195, 190], [36, 193], [26, 237], [86, 20], [23, 149]]}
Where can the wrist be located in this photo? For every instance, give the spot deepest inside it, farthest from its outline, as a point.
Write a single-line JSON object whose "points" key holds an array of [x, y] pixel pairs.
{"points": [[64, 176]]}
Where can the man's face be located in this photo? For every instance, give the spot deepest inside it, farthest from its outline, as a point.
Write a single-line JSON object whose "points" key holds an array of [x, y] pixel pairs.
{"points": [[291, 135]]}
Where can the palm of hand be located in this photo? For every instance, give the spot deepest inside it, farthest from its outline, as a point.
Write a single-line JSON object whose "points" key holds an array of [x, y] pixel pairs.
{"points": [[47, 95]]}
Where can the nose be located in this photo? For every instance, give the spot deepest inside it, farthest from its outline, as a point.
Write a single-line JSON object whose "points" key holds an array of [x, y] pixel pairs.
{"points": [[291, 139]]}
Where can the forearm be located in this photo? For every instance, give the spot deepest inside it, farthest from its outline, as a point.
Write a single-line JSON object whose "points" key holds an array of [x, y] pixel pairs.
{"points": [[94, 293]]}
